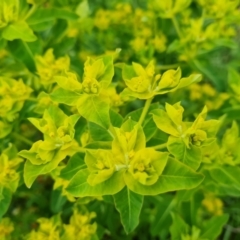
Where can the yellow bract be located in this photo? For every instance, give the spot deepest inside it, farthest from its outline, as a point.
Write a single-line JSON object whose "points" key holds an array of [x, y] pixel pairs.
{"points": [[101, 166], [12, 96], [8, 12], [6, 228], [102, 19], [142, 169], [48, 229], [48, 66], [9, 164], [90, 85], [170, 79], [213, 205], [206, 93], [80, 226]]}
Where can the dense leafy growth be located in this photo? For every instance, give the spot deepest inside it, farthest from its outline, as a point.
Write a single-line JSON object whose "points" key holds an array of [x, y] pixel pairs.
{"points": [[119, 119]]}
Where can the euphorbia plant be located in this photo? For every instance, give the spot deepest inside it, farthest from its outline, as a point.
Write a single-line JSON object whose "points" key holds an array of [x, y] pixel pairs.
{"points": [[126, 167], [119, 120]]}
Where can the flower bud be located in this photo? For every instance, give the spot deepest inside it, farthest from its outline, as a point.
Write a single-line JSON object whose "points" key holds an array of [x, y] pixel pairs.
{"points": [[170, 79]]}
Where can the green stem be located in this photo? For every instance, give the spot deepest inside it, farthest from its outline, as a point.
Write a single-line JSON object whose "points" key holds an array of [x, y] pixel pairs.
{"points": [[22, 138], [80, 149], [160, 146], [31, 11], [176, 26], [145, 110], [165, 67]]}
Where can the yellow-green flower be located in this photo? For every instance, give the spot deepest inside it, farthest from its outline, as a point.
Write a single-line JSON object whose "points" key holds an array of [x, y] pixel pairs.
{"points": [[213, 205], [9, 163], [80, 226], [6, 228], [48, 229], [100, 165], [170, 79], [48, 66], [145, 166]]}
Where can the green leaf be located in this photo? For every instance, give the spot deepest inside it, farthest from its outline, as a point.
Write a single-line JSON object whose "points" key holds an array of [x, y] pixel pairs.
{"points": [[164, 205], [116, 119], [5, 200], [178, 227], [128, 72], [94, 109], [75, 163], [57, 201], [42, 25], [207, 71], [31, 171], [129, 205], [99, 145], [79, 186], [175, 176], [43, 18], [106, 78], [227, 176], [98, 133], [24, 52], [19, 30], [233, 112], [192, 157], [234, 80], [5, 129], [67, 97], [193, 78], [174, 46], [164, 123], [219, 187], [149, 128], [213, 227]]}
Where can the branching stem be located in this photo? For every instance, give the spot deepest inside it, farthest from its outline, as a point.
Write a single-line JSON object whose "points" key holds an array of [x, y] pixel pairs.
{"points": [[22, 138], [145, 110], [176, 26], [160, 146]]}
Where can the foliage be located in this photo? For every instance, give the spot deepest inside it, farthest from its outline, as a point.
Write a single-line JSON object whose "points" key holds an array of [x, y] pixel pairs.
{"points": [[119, 119]]}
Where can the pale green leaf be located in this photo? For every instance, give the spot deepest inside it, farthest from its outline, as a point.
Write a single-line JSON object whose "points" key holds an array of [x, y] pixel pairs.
{"points": [[94, 109], [46, 14], [192, 156], [175, 176], [164, 123], [193, 78], [19, 30], [106, 78], [31, 171], [67, 97], [128, 93], [79, 186]]}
